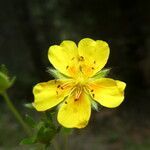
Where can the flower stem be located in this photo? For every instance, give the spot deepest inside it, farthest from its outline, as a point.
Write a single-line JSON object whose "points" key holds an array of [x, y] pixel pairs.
{"points": [[15, 112], [56, 145], [66, 142]]}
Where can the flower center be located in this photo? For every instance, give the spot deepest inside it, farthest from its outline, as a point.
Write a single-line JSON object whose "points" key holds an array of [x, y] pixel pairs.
{"points": [[80, 83], [78, 92], [81, 79]]}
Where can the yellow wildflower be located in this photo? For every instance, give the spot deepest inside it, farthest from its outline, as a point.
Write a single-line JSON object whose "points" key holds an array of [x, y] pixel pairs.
{"points": [[80, 86]]}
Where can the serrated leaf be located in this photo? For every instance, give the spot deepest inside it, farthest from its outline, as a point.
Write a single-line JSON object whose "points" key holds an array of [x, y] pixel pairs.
{"points": [[39, 125], [45, 135], [30, 121], [27, 141], [50, 113]]}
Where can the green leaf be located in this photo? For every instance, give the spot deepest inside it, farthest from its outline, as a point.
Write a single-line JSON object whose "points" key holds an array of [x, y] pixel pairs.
{"points": [[30, 121], [101, 74], [56, 74], [30, 140], [44, 130], [45, 135], [50, 113]]}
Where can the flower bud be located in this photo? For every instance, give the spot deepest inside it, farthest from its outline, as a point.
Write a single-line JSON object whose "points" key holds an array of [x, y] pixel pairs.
{"points": [[5, 81]]}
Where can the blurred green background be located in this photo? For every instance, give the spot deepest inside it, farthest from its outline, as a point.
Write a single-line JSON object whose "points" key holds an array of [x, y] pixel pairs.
{"points": [[28, 28]]}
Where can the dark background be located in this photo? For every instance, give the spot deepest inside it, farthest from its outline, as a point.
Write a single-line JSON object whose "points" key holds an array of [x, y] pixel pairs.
{"points": [[28, 28]]}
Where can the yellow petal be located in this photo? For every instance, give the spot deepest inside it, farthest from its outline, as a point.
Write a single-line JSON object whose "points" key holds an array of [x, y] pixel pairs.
{"points": [[107, 92], [49, 94], [75, 113], [93, 54], [64, 57], [121, 85]]}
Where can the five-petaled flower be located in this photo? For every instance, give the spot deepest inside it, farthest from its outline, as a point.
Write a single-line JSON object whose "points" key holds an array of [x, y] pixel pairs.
{"points": [[80, 87]]}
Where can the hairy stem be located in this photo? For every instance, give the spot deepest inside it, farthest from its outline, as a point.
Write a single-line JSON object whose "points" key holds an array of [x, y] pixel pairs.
{"points": [[15, 112]]}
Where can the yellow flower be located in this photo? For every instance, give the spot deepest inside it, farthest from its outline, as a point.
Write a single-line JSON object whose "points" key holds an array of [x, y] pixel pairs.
{"points": [[80, 84]]}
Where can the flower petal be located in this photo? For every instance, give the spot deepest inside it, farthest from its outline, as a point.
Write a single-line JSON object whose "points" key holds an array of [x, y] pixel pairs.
{"points": [[93, 54], [64, 57], [121, 85], [75, 113], [107, 92], [49, 94]]}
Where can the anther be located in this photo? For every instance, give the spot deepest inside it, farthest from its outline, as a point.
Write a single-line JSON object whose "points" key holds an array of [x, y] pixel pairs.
{"points": [[94, 62], [58, 86], [72, 58], [92, 68], [65, 102], [92, 90], [62, 88], [75, 99], [67, 67], [93, 95], [81, 58], [80, 68]]}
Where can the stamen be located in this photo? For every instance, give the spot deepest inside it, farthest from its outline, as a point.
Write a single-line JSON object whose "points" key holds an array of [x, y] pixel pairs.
{"points": [[94, 62], [81, 58], [78, 92], [58, 86], [75, 99], [80, 68], [93, 68], [92, 90], [65, 85], [67, 67], [65, 102], [72, 58], [93, 95]]}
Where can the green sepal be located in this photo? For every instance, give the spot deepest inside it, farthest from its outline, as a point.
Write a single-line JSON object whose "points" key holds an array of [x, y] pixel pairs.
{"points": [[29, 105], [101, 74], [56, 74], [95, 105], [12, 81]]}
